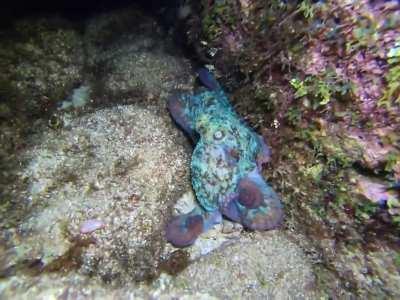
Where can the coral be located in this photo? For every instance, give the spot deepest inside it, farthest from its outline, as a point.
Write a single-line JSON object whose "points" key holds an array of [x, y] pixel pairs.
{"points": [[226, 165]]}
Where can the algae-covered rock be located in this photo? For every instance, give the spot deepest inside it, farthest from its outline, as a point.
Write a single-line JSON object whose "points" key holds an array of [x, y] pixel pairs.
{"points": [[41, 61], [89, 194], [339, 60], [376, 192], [379, 147], [372, 271], [128, 54], [374, 150]]}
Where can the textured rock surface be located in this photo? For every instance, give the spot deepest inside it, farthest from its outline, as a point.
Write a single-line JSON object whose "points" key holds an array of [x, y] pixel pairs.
{"points": [[264, 265], [130, 55], [124, 166], [41, 61]]}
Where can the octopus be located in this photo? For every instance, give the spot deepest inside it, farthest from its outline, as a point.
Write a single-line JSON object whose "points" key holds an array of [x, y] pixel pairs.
{"points": [[226, 166]]}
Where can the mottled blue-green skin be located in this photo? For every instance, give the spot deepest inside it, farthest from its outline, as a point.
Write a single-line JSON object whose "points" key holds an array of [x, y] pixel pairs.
{"points": [[214, 171], [225, 167]]}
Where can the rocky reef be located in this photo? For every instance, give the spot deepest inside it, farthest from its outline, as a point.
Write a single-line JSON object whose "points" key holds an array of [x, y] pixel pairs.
{"points": [[320, 80]]}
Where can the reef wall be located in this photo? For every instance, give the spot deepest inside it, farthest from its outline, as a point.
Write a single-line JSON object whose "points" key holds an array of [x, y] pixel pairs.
{"points": [[320, 80]]}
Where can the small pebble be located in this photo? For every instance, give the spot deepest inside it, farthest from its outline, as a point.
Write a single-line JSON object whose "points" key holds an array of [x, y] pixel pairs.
{"points": [[91, 225]]}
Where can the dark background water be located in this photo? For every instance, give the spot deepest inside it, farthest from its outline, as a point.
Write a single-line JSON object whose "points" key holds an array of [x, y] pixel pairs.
{"points": [[79, 9]]}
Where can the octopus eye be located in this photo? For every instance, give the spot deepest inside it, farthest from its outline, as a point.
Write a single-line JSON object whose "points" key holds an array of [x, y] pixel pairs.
{"points": [[218, 135]]}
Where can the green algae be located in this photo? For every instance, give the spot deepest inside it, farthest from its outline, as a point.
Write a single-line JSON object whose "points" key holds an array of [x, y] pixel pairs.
{"points": [[392, 94], [315, 172]]}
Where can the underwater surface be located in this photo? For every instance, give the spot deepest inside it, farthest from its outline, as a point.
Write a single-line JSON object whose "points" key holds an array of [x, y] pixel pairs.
{"points": [[200, 150]]}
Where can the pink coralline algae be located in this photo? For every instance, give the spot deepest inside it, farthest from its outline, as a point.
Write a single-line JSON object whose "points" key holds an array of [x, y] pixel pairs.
{"points": [[354, 45], [374, 150], [378, 193]]}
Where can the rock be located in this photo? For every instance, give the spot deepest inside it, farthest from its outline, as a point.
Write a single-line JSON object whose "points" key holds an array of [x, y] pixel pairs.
{"points": [[376, 146], [376, 192], [373, 150], [358, 264], [123, 166], [130, 56], [266, 266], [40, 64]]}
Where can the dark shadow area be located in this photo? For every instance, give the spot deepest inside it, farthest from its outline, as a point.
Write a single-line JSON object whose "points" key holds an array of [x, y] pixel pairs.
{"points": [[169, 14], [76, 10]]}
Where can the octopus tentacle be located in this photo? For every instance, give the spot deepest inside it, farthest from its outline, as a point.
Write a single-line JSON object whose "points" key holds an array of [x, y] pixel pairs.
{"points": [[264, 155], [177, 107], [255, 205], [183, 230]]}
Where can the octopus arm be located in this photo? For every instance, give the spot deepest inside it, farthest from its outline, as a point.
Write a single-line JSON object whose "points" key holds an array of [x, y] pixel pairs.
{"points": [[178, 106]]}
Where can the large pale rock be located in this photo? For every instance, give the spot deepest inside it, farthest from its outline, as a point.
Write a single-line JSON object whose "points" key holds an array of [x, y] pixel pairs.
{"points": [[267, 265], [122, 166]]}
